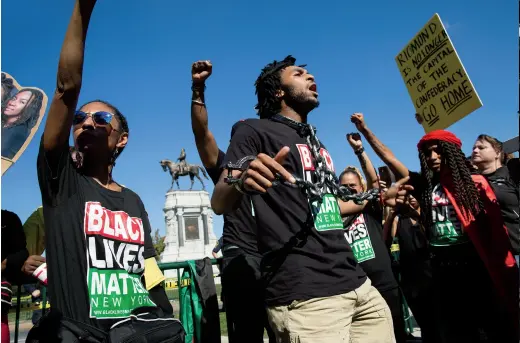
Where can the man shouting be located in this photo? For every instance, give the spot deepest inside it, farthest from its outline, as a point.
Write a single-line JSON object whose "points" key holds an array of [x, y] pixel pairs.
{"points": [[315, 290]]}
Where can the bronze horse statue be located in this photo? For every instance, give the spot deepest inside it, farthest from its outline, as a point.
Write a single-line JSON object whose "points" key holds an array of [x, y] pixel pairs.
{"points": [[183, 169]]}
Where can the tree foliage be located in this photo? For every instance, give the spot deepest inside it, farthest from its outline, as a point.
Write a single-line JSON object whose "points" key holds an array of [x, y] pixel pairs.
{"points": [[158, 243]]}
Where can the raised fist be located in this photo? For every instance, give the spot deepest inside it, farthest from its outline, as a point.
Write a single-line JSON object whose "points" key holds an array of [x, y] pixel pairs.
{"points": [[200, 71], [354, 139], [359, 121]]}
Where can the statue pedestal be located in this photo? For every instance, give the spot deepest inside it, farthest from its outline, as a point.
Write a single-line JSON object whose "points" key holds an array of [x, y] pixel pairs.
{"points": [[189, 227]]}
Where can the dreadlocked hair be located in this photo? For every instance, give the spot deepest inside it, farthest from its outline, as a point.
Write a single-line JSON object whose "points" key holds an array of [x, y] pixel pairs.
{"points": [[30, 113], [268, 84], [120, 117], [465, 192]]}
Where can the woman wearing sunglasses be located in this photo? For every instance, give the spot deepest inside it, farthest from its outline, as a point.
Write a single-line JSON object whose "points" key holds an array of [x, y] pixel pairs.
{"points": [[99, 249]]}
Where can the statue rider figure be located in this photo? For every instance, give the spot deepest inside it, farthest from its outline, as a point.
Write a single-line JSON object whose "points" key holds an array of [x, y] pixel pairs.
{"points": [[182, 162]]}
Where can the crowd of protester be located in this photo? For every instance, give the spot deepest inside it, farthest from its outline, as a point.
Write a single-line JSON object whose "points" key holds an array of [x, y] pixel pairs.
{"points": [[308, 256]]}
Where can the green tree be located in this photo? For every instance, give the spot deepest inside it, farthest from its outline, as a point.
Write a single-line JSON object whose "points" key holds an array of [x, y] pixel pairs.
{"points": [[158, 243]]}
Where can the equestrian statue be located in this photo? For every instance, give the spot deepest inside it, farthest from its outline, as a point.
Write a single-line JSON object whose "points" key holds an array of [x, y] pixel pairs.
{"points": [[182, 169]]}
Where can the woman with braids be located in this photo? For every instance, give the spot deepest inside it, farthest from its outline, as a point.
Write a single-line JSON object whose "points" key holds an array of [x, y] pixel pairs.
{"points": [[473, 270], [469, 245], [488, 156], [99, 251], [19, 115]]}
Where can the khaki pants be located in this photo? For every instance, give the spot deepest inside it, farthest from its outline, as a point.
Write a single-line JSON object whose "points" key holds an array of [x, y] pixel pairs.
{"points": [[361, 315]]}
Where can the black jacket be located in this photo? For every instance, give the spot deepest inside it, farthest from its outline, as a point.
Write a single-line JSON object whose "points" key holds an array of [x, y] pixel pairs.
{"points": [[13, 247]]}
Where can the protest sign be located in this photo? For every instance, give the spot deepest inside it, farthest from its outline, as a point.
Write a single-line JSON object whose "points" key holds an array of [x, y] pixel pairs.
{"points": [[22, 112], [437, 82]]}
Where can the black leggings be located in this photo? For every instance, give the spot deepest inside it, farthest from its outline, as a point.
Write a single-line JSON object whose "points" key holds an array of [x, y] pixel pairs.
{"points": [[244, 294]]}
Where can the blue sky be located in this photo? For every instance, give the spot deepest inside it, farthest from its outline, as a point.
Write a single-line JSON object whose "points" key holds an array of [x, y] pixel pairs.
{"points": [[138, 57]]}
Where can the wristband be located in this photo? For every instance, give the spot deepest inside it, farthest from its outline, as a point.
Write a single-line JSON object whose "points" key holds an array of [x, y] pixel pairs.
{"points": [[359, 151], [198, 102]]}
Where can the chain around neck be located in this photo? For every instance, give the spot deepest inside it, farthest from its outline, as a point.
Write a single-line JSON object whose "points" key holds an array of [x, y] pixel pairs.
{"points": [[326, 179]]}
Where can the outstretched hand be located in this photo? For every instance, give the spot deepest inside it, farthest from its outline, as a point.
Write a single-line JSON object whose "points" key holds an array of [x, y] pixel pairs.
{"points": [[397, 193], [264, 170], [200, 71]]}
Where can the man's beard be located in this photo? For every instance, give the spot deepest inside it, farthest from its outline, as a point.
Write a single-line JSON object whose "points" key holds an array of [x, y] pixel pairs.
{"points": [[300, 101]]}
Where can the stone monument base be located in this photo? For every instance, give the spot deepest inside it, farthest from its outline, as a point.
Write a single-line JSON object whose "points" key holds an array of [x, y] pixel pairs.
{"points": [[189, 227]]}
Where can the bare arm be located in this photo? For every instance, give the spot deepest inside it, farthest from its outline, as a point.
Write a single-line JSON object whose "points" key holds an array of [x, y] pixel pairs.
{"points": [[368, 170], [354, 139], [204, 139], [349, 207], [384, 153], [257, 178], [68, 84], [225, 198]]}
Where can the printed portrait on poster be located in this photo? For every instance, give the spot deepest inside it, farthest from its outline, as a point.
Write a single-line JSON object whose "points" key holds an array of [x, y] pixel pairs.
{"points": [[192, 228], [23, 109]]}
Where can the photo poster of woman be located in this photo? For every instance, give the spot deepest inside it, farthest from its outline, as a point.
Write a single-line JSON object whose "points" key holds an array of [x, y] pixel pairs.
{"points": [[23, 109]]}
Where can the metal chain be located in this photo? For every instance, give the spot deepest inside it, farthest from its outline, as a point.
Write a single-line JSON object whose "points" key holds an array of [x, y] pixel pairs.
{"points": [[326, 179]]}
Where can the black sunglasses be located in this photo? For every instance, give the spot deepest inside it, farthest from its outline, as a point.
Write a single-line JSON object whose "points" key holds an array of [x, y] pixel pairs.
{"points": [[100, 118]]}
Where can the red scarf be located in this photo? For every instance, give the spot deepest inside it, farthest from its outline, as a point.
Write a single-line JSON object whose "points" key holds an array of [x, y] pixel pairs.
{"points": [[488, 235], [491, 240]]}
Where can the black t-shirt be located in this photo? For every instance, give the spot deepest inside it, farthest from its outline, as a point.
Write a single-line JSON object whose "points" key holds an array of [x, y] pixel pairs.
{"points": [[96, 243], [239, 226], [365, 236], [414, 255], [506, 192], [323, 264]]}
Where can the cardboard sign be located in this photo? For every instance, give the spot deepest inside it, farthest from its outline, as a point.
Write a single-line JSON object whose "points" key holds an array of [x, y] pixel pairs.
{"points": [[23, 109], [437, 82]]}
